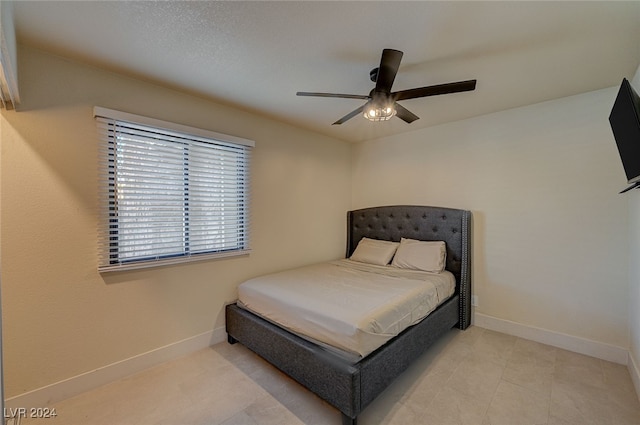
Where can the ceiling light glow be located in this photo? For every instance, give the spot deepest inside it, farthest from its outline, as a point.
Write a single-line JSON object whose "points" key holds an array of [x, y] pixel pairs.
{"points": [[375, 111]]}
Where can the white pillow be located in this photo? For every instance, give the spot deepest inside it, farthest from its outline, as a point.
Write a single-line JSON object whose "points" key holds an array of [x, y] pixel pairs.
{"points": [[373, 251], [421, 255]]}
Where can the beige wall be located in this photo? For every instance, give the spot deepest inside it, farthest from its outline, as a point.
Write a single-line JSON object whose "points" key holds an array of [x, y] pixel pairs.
{"points": [[62, 318], [550, 230]]}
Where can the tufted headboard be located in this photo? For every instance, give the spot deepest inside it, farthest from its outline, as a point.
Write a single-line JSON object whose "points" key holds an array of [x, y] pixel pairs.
{"points": [[422, 223]]}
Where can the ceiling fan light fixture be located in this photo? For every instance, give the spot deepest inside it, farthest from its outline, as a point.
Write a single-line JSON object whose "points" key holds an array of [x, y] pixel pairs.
{"points": [[382, 102], [379, 112]]}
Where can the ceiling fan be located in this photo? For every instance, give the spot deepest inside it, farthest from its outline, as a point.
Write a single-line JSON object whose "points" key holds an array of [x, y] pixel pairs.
{"points": [[381, 102]]}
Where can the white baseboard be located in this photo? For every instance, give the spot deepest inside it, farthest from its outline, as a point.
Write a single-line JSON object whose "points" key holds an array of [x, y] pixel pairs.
{"points": [[632, 365], [588, 347], [73, 386]]}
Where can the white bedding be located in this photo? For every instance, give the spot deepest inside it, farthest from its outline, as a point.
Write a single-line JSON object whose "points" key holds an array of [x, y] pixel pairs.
{"points": [[355, 307]]}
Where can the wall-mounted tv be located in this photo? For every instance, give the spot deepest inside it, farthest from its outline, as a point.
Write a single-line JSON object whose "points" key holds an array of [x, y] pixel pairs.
{"points": [[625, 124]]}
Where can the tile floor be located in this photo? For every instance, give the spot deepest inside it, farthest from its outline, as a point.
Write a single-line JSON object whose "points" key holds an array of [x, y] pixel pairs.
{"points": [[472, 377]]}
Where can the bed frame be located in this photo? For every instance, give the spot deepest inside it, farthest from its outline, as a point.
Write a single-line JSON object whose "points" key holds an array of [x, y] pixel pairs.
{"points": [[351, 387]]}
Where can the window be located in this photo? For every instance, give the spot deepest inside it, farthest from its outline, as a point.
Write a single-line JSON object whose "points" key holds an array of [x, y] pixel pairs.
{"points": [[169, 193]]}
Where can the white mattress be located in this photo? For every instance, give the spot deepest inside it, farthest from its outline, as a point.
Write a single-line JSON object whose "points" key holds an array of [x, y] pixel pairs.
{"points": [[355, 307]]}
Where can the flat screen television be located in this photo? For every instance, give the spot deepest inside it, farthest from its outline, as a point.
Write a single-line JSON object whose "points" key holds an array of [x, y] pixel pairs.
{"points": [[625, 124]]}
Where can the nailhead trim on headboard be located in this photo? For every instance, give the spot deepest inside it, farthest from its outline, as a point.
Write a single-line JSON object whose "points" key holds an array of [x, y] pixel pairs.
{"points": [[465, 283]]}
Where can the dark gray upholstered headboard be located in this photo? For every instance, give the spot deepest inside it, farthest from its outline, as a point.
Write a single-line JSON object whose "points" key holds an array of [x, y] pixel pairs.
{"points": [[422, 223]]}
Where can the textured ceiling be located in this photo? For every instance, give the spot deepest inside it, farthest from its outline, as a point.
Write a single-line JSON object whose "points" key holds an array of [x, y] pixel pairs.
{"points": [[257, 55]]}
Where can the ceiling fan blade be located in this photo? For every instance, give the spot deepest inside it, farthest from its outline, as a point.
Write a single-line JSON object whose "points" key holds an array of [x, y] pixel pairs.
{"points": [[405, 115], [344, 96], [350, 115], [456, 87], [389, 64]]}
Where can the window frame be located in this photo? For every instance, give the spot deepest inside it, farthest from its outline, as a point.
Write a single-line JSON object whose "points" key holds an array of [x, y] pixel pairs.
{"points": [[193, 139]]}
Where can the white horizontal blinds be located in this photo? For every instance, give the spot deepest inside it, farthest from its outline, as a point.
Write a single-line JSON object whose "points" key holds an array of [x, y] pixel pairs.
{"points": [[218, 198], [170, 196]]}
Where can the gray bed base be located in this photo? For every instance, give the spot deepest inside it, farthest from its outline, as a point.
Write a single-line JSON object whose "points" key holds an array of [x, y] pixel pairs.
{"points": [[351, 387]]}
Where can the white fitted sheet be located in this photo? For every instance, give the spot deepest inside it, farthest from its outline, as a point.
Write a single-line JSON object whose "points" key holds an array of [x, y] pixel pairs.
{"points": [[352, 306]]}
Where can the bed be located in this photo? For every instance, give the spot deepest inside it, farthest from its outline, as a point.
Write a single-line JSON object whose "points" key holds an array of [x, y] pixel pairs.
{"points": [[348, 383]]}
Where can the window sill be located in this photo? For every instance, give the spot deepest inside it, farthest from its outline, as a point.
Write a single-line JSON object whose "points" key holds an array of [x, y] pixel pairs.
{"points": [[171, 261]]}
